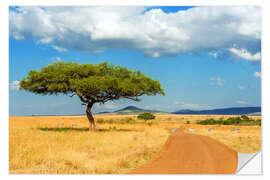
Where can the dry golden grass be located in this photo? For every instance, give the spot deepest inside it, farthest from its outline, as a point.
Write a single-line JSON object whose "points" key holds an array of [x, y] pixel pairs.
{"points": [[246, 140], [36, 146]]}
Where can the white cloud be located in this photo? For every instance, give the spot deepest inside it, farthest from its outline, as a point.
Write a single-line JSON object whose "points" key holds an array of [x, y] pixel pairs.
{"points": [[241, 102], [107, 105], [244, 54], [184, 105], [214, 54], [241, 87], [59, 49], [257, 74], [15, 85], [217, 81], [155, 33]]}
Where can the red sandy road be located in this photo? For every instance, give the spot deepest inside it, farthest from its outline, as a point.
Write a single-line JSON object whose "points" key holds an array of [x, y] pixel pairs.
{"points": [[186, 153]]}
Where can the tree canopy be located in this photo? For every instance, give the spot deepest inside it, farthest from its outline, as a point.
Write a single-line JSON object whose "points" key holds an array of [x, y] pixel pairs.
{"points": [[146, 116], [100, 83], [92, 83]]}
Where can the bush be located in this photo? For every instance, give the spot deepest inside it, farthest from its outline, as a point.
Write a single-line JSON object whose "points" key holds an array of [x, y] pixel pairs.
{"points": [[228, 122], [232, 120], [208, 121], [258, 122], [146, 116], [62, 129], [245, 118], [111, 128], [220, 121]]}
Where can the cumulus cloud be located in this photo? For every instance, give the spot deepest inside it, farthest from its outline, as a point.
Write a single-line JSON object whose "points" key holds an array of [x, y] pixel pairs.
{"points": [[213, 54], [153, 32], [15, 85], [217, 81], [244, 54], [108, 105], [241, 102], [257, 74], [59, 49], [185, 105]]}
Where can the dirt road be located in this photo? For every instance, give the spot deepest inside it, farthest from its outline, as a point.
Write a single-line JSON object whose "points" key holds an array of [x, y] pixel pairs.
{"points": [[186, 153]]}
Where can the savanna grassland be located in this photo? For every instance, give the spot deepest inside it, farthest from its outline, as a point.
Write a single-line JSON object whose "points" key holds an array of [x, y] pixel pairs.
{"points": [[63, 144]]}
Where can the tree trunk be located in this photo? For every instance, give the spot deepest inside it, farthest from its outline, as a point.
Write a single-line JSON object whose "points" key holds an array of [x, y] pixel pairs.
{"points": [[90, 117]]}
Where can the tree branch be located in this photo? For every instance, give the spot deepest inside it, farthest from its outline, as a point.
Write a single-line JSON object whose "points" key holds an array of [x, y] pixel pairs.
{"points": [[131, 98], [72, 95], [82, 99]]}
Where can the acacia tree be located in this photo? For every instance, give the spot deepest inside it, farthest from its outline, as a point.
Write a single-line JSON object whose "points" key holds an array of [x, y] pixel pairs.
{"points": [[92, 83]]}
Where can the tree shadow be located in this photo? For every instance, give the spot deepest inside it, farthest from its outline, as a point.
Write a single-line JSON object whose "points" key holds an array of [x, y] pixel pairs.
{"points": [[84, 129]]}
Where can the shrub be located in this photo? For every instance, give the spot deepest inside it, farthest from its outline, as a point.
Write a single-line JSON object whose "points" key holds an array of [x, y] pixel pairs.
{"points": [[111, 128], [228, 122], [208, 121], [146, 116], [232, 120], [62, 129], [220, 121], [245, 118], [258, 122]]}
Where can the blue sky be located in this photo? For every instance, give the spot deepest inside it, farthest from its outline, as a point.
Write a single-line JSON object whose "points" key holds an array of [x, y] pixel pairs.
{"points": [[205, 58]]}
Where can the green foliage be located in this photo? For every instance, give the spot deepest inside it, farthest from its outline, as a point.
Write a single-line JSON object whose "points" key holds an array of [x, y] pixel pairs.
{"points": [[111, 128], [187, 122], [126, 120], [62, 129], [258, 122], [220, 121], [243, 120], [208, 121], [146, 116], [244, 117], [232, 120], [98, 82]]}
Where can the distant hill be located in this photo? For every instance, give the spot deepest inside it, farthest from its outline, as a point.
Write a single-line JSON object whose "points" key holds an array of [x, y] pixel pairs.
{"points": [[131, 110], [224, 111], [255, 114], [134, 110], [252, 111], [103, 112]]}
